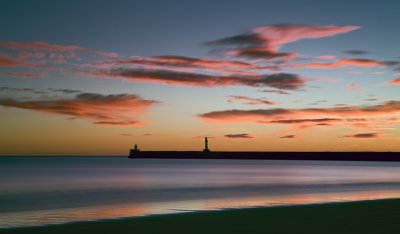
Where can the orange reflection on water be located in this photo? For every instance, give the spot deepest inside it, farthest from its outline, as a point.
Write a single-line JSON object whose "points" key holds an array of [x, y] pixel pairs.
{"points": [[298, 199], [142, 209]]}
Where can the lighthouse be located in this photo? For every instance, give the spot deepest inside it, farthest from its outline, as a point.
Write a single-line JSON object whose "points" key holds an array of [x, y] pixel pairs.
{"points": [[206, 149]]}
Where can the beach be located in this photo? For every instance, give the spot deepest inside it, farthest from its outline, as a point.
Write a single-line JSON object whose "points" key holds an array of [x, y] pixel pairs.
{"points": [[378, 216]]}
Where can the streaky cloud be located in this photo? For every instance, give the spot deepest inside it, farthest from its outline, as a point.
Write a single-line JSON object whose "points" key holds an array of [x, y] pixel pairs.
{"points": [[16, 45], [285, 81], [339, 63], [240, 135], [250, 101], [364, 135], [288, 137], [356, 52], [265, 41], [394, 82], [113, 109], [23, 74], [277, 114]]}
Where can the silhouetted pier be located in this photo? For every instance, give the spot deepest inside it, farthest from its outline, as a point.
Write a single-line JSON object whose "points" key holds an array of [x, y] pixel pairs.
{"points": [[266, 155]]}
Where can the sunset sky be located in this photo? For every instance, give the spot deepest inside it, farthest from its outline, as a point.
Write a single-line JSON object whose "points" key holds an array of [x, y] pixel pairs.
{"points": [[96, 77]]}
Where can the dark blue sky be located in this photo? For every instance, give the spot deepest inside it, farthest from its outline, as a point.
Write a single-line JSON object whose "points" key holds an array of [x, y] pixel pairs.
{"points": [[167, 27]]}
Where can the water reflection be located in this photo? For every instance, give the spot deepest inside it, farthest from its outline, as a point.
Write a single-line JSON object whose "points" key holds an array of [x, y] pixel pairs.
{"points": [[38, 191]]}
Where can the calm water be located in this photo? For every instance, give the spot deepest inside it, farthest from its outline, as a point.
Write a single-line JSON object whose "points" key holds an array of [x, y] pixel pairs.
{"points": [[47, 190]]}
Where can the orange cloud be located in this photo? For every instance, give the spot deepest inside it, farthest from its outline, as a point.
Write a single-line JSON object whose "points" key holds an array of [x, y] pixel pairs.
{"points": [[278, 114], [339, 63], [102, 109], [6, 61], [395, 82]]}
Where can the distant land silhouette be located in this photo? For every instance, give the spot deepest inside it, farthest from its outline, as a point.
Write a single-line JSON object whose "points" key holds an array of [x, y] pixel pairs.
{"points": [[266, 155]]}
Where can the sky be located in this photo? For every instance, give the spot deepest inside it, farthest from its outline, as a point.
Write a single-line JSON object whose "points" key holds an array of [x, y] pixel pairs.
{"points": [[96, 77]]}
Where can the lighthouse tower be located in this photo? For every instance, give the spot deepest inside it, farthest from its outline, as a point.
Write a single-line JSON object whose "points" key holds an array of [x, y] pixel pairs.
{"points": [[206, 149]]}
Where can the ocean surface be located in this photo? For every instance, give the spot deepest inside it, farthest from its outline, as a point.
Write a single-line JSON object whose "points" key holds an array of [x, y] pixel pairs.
{"points": [[49, 190]]}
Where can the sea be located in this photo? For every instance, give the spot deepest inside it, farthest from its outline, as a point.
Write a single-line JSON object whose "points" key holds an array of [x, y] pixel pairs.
{"points": [[50, 190]]}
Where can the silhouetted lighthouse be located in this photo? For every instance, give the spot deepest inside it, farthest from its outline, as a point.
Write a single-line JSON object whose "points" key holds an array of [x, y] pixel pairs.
{"points": [[206, 149]]}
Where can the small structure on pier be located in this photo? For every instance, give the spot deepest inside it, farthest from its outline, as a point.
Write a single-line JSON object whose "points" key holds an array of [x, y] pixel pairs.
{"points": [[134, 150], [206, 149]]}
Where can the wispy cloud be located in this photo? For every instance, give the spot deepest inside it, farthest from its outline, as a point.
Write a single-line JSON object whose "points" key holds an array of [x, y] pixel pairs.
{"points": [[6, 61], [278, 80], [395, 82], [364, 135], [240, 135], [264, 42], [16, 45], [288, 137], [354, 87], [276, 91], [322, 120], [250, 101], [356, 52], [277, 114], [339, 63], [114, 109], [23, 74], [41, 55], [188, 62]]}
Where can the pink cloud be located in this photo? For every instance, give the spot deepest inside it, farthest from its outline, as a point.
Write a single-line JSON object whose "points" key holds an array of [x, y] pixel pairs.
{"points": [[188, 62], [354, 87], [57, 58], [278, 35], [264, 42], [23, 75], [14, 45], [395, 82], [328, 57], [107, 54], [6, 61], [268, 115], [36, 52], [115, 110], [339, 63], [250, 101]]}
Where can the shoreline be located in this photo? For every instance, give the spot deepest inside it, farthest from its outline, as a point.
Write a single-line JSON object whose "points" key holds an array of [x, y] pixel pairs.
{"points": [[367, 216]]}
